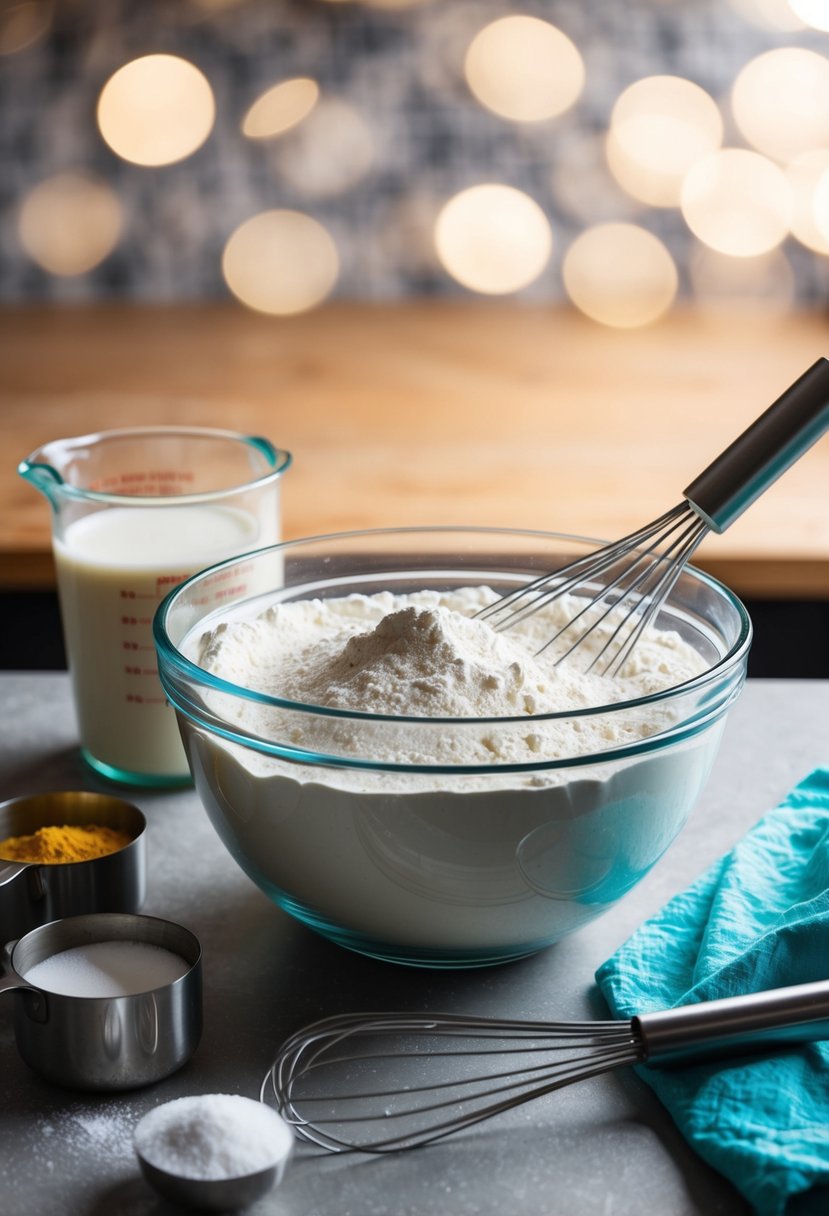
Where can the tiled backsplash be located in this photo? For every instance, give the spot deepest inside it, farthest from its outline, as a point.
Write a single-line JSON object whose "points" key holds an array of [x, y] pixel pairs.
{"points": [[396, 133]]}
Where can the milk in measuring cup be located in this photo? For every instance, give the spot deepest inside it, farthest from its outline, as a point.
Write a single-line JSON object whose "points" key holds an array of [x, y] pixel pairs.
{"points": [[113, 569]]}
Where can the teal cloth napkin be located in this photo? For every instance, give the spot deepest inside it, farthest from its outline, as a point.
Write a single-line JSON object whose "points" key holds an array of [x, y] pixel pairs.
{"points": [[758, 918]]}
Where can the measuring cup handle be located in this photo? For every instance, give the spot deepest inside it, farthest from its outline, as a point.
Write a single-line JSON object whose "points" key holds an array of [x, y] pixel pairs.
{"points": [[10, 981], [14, 875], [10, 870]]}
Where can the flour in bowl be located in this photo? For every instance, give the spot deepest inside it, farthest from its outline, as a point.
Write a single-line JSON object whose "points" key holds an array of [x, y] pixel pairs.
{"points": [[466, 824], [425, 655]]}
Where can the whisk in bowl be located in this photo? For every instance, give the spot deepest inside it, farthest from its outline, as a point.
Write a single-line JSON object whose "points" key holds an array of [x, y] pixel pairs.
{"points": [[620, 587], [379, 1083]]}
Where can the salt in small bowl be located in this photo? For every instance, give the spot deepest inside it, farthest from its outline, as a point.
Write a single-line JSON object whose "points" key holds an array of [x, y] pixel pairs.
{"points": [[181, 1161]]}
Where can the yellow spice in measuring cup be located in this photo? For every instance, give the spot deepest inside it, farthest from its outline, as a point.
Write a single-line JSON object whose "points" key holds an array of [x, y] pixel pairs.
{"points": [[56, 844]]}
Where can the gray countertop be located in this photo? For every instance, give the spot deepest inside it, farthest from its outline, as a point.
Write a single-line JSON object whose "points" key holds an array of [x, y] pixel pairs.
{"points": [[605, 1146]]}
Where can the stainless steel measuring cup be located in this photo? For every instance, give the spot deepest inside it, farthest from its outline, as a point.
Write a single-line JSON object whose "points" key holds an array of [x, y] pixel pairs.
{"points": [[134, 513], [105, 1043], [32, 893]]}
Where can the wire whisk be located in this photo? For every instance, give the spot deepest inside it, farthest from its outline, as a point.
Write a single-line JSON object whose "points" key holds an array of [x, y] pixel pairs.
{"points": [[383, 1082], [621, 587]]}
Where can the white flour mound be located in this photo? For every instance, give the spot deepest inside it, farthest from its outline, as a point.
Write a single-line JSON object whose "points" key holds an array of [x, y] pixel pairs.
{"points": [[425, 655], [496, 861]]}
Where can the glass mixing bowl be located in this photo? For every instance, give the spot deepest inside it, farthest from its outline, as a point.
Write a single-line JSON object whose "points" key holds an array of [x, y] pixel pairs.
{"points": [[440, 864]]}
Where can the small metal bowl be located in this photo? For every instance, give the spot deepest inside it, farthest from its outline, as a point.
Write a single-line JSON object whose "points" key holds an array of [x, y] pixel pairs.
{"points": [[217, 1194], [34, 893], [105, 1043], [211, 1194]]}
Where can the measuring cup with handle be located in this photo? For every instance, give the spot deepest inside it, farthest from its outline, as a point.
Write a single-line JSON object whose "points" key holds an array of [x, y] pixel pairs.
{"points": [[135, 512], [33, 893], [136, 1035]]}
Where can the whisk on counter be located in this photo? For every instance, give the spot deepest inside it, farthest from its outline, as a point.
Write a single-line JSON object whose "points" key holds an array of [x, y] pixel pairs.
{"points": [[383, 1082], [621, 587]]}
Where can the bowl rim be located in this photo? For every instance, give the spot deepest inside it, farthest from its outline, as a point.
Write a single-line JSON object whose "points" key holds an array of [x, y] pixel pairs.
{"points": [[170, 654]]}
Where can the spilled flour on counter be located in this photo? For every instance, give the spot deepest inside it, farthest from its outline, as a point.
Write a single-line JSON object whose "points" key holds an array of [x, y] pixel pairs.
{"points": [[425, 655]]}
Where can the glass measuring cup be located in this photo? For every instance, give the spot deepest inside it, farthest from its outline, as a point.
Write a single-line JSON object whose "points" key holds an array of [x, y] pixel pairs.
{"points": [[135, 512]]}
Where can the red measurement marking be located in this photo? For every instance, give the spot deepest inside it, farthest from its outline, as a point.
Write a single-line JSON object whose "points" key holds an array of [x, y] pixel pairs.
{"points": [[142, 482], [237, 589], [232, 572], [129, 645]]}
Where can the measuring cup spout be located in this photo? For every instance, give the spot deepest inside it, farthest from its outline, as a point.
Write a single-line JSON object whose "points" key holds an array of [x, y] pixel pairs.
{"points": [[44, 478]]}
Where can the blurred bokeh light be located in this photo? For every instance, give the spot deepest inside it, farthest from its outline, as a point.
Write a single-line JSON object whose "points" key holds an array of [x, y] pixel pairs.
{"points": [[659, 128], [820, 207], [69, 223], [804, 174], [814, 13], [22, 25], [328, 152], [524, 69], [156, 110], [280, 108], [594, 133], [280, 262], [738, 202], [493, 239], [781, 102], [620, 275]]}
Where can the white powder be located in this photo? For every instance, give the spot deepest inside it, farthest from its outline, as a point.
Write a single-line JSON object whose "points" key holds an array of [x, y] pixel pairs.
{"points": [[424, 655], [213, 1136], [81, 1133], [436, 863], [107, 969]]}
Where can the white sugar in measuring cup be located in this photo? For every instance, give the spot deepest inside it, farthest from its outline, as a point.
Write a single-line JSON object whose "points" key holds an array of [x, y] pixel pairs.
{"points": [[140, 1023], [135, 512]]}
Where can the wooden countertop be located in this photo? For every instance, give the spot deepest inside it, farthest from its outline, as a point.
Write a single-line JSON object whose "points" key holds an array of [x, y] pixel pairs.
{"points": [[433, 412]]}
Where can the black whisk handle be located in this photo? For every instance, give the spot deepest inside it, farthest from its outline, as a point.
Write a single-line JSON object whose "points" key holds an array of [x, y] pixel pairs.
{"points": [[770, 446], [733, 1025]]}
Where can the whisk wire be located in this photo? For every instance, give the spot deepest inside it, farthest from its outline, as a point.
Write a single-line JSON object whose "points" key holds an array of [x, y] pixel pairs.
{"points": [[547, 587], [571, 1051], [648, 596], [654, 598], [411, 1105], [623, 583]]}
